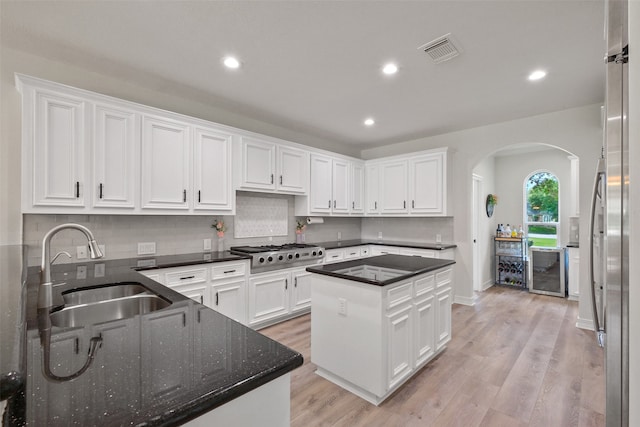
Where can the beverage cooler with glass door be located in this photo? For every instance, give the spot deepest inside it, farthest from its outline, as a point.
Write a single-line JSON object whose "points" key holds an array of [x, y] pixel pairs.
{"points": [[547, 272]]}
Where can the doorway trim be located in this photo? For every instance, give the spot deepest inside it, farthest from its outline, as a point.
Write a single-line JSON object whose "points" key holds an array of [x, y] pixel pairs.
{"points": [[476, 209]]}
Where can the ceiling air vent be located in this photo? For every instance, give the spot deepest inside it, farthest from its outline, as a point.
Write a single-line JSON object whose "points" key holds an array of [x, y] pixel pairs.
{"points": [[441, 49]]}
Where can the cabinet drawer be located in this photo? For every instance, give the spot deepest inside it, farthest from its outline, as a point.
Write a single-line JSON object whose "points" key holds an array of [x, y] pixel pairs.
{"points": [[443, 278], [350, 253], [334, 255], [228, 270], [399, 295], [186, 277], [425, 285]]}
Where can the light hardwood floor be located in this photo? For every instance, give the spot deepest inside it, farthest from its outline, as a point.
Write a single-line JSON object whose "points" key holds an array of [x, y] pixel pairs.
{"points": [[516, 359]]}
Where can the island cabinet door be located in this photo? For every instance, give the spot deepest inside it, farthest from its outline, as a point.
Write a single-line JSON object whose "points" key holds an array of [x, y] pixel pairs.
{"points": [[268, 297], [424, 328], [211, 345], [400, 346], [228, 298], [165, 340], [443, 317], [68, 351], [120, 347]]}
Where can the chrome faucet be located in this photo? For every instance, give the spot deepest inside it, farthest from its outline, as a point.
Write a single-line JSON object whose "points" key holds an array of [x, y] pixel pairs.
{"points": [[45, 291]]}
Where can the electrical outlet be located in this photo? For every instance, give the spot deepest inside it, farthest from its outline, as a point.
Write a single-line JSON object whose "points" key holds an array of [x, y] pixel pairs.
{"points": [[339, 236], [81, 252], [81, 272], [380, 235], [342, 306], [98, 270], [438, 238], [147, 248], [206, 245]]}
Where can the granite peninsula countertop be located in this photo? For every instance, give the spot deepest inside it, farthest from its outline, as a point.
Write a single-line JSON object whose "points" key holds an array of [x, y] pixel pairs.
{"points": [[359, 242], [381, 270], [161, 368]]}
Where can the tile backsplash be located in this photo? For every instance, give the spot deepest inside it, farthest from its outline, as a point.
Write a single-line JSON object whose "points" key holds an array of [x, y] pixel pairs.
{"points": [[181, 234]]}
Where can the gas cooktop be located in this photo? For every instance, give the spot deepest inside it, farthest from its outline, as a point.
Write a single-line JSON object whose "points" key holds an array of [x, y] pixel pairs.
{"points": [[288, 253]]}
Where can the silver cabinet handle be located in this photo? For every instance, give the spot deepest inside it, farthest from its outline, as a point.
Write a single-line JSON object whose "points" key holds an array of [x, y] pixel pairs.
{"points": [[404, 204], [334, 204], [413, 204], [184, 196], [286, 284], [353, 205], [229, 271], [217, 300], [280, 179], [272, 178], [295, 282], [187, 277], [329, 204], [375, 205], [101, 187]]}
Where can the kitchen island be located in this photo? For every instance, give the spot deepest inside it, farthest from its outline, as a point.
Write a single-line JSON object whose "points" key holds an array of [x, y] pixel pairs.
{"points": [[179, 363], [377, 321]]}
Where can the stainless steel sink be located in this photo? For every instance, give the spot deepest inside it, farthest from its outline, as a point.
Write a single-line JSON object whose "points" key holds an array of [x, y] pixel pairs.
{"points": [[103, 293], [108, 310]]}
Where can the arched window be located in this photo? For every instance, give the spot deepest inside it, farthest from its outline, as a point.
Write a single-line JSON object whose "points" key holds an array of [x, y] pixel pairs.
{"points": [[541, 209]]}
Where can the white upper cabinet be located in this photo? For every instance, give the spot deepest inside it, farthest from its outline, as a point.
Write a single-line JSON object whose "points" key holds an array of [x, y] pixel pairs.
{"points": [[372, 189], [321, 193], [330, 191], [54, 131], [357, 188], [292, 170], [212, 183], [426, 185], [266, 166], [393, 187], [165, 163], [258, 164], [340, 187], [116, 139], [403, 185]]}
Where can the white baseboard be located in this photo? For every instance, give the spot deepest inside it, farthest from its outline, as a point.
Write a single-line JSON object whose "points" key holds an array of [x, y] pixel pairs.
{"points": [[486, 285], [585, 324], [470, 301]]}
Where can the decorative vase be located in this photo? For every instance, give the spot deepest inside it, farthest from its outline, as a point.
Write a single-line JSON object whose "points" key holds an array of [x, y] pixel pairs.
{"points": [[220, 241], [299, 238]]}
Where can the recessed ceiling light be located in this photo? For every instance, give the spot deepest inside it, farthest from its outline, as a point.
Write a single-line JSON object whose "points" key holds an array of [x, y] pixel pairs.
{"points": [[390, 68], [369, 122], [537, 75], [231, 62]]}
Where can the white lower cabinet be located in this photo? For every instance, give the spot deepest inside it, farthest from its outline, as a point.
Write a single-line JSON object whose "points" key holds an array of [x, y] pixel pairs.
{"points": [[276, 296], [221, 287], [228, 298], [371, 339], [400, 352], [165, 372], [384, 250]]}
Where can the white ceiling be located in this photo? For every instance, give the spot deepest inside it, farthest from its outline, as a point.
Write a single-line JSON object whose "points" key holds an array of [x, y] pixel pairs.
{"points": [[314, 66]]}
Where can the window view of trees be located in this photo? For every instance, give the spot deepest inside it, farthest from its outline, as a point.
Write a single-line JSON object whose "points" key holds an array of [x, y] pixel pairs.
{"points": [[542, 209]]}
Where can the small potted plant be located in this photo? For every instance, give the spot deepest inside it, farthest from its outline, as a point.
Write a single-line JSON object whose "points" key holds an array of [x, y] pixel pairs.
{"points": [[220, 229], [300, 226]]}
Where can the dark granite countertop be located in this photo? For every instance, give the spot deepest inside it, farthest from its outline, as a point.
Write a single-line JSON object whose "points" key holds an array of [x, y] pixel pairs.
{"points": [[381, 270], [160, 368], [360, 242]]}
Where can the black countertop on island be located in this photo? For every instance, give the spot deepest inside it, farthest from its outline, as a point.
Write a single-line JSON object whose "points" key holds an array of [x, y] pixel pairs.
{"points": [[160, 368], [381, 270], [359, 242]]}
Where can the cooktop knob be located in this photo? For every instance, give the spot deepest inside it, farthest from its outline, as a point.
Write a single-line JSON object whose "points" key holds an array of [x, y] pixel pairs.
{"points": [[270, 259], [314, 253], [297, 255], [280, 257], [290, 256], [319, 253], [261, 260]]}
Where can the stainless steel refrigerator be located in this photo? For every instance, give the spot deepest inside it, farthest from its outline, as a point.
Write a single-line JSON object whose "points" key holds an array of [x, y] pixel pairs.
{"points": [[611, 308]]}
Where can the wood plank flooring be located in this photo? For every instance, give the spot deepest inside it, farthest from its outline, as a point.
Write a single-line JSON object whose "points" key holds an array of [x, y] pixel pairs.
{"points": [[516, 359]]}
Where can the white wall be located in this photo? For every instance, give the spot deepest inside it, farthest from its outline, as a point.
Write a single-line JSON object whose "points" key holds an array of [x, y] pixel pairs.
{"points": [[511, 172], [577, 130], [486, 226], [149, 91], [634, 243]]}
